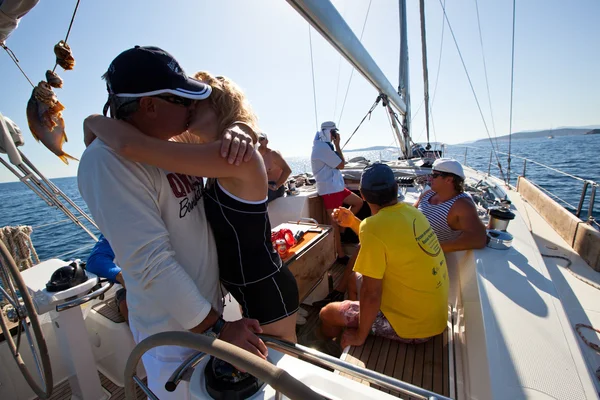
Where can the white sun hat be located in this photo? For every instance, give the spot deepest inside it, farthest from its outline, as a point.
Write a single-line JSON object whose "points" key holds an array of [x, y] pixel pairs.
{"points": [[448, 165]]}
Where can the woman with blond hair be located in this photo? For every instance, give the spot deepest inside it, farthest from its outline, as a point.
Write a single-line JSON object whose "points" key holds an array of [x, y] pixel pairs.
{"points": [[235, 200]]}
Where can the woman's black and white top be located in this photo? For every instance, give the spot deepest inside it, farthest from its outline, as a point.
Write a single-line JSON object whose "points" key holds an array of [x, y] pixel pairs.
{"points": [[250, 269], [437, 215], [243, 234]]}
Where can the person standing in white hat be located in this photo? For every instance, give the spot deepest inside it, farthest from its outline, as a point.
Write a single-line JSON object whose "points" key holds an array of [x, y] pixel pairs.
{"points": [[327, 160], [450, 211]]}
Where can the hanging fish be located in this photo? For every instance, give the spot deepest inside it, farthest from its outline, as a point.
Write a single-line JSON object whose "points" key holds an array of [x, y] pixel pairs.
{"points": [[53, 79], [64, 57], [44, 115]]}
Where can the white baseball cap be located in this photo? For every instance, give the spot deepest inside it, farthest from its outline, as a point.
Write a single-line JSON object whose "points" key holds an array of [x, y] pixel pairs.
{"points": [[450, 166], [328, 125]]}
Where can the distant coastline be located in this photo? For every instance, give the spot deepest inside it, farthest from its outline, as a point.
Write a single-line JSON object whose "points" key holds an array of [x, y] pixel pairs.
{"points": [[565, 131]]}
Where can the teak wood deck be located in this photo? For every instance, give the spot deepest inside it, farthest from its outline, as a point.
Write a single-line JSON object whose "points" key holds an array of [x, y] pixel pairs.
{"points": [[425, 365]]}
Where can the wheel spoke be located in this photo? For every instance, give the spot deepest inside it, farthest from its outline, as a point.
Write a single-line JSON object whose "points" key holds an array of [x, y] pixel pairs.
{"points": [[8, 297], [34, 352], [18, 339], [14, 299]]}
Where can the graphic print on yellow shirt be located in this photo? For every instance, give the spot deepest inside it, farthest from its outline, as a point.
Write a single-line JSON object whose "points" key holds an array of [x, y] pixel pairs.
{"points": [[399, 247]]}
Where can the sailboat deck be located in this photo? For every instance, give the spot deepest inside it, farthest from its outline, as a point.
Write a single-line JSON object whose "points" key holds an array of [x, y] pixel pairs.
{"points": [[425, 365], [62, 391]]}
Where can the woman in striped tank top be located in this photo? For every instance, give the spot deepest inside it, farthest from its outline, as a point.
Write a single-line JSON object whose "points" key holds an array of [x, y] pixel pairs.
{"points": [[451, 212]]}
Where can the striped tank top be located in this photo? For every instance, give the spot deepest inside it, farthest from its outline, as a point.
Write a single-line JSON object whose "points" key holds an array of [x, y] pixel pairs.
{"points": [[437, 214]]}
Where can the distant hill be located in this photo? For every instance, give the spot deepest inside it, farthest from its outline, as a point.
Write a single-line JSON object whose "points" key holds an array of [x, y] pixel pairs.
{"points": [[550, 132], [373, 148], [594, 132]]}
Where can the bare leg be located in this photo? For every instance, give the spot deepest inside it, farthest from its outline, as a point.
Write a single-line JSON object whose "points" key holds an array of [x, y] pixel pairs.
{"points": [[283, 329], [342, 286], [355, 203], [332, 320], [352, 287], [336, 231]]}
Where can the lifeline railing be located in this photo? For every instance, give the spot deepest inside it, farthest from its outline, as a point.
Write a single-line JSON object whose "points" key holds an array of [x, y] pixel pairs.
{"points": [[587, 183]]}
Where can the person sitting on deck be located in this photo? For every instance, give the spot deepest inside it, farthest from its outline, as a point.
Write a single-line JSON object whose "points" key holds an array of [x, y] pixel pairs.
{"points": [[277, 169], [326, 162], [404, 290], [450, 211], [101, 262]]}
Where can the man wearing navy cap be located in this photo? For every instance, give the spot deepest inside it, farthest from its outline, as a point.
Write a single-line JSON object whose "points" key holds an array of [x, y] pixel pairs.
{"points": [[401, 275], [162, 243]]}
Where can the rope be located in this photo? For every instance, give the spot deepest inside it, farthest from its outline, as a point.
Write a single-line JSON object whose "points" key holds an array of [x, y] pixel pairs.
{"points": [[17, 240], [69, 30], [312, 66], [352, 72], [473, 91], [512, 86], [487, 85], [14, 58], [363, 120]]}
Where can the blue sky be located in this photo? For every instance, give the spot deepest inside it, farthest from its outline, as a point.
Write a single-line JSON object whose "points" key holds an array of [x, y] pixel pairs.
{"points": [[264, 46]]}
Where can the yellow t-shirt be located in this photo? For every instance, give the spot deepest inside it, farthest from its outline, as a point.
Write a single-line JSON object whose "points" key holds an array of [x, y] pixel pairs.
{"points": [[399, 246]]}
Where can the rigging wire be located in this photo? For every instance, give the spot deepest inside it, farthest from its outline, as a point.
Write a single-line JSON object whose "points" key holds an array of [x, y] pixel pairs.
{"points": [[70, 26], [352, 72], [14, 58], [337, 87], [312, 66], [363, 120], [487, 85], [425, 72], [473, 91], [437, 79], [512, 86]]}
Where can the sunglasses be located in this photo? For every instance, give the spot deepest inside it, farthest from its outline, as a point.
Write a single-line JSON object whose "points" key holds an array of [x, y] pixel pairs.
{"points": [[180, 101], [436, 174]]}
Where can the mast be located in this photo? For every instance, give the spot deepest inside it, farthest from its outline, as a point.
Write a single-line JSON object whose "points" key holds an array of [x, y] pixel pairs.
{"points": [[403, 86], [326, 20], [425, 72]]}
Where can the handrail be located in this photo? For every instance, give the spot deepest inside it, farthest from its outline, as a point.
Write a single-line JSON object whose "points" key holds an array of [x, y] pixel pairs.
{"points": [[586, 182], [529, 160]]}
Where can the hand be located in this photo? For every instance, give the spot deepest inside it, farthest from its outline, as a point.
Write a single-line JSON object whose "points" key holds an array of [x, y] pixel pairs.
{"points": [[336, 139], [237, 145], [119, 279], [350, 337], [242, 333], [273, 186], [343, 217]]}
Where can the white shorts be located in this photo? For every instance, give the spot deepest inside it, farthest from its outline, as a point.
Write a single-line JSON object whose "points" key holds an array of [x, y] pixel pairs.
{"points": [[160, 366]]}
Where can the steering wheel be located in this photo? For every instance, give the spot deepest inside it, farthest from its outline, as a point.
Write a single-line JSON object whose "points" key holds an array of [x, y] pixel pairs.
{"points": [[15, 292], [273, 376]]}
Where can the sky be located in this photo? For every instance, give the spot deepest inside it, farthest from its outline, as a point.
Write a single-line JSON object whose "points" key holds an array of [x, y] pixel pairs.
{"points": [[264, 46]]}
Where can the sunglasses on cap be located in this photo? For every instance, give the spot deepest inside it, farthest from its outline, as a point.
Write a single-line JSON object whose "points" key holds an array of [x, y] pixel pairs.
{"points": [[180, 101]]}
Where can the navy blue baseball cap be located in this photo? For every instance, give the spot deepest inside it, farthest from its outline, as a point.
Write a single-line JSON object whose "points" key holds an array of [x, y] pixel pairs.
{"points": [[149, 71], [376, 177]]}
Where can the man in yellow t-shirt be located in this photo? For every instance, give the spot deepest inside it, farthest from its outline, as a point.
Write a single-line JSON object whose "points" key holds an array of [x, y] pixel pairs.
{"points": [[404, 290]]}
